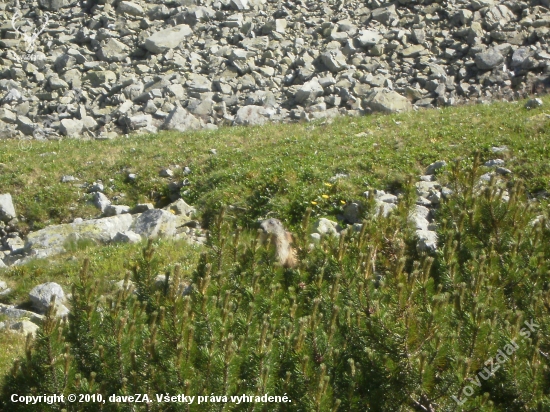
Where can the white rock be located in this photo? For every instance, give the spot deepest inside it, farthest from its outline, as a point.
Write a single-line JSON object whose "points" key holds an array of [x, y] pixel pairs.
{"points": [[427, 241], [70, 127], [181, 120], [155, 223], [41, 295], [167, 39], [127, 237], [130, 8], [25, 327], [252, 116], [325, 226], [7, 210]]}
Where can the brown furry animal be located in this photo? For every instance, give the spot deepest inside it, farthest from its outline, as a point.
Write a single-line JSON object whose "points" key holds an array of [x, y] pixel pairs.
{"points": [[273, 229]]}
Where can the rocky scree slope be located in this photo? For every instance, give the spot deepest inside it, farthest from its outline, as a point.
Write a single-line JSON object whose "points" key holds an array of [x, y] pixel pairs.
{"points": [[100, 68]]}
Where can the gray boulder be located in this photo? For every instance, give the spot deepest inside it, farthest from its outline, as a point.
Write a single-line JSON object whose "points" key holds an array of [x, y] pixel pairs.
{"points": [[25, 327], [334, 60], [326, 227], [155, 223], [167, 39], [309, 91], [181, 120], [71, 127], [12, 312], [368, 38], [53, 239], [130, 8], [427, 241], [388, 102], [179, 207], [55, 5], [101, 201], [489, 59], [252, 115], [41, 295], [7, 210], [127, 237], [113, 51]]}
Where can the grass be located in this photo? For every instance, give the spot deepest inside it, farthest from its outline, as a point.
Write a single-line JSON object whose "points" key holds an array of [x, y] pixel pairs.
{"points": [[276, 169], [13, 346]]}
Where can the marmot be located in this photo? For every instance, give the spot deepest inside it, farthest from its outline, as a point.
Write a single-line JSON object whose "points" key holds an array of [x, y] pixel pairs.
{"points": [[281, 239]]}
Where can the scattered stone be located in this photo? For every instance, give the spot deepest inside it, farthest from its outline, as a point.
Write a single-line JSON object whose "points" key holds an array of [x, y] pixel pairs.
{"points": [[101, 201], [127, 237], [41, 295], [427, 241], [7, 210], [388, 102], [533, 103], [114, 210], [179, 207], [251, 116], [326, 227], [167, 39], [155, 223], [434, 167], [25, 327]]}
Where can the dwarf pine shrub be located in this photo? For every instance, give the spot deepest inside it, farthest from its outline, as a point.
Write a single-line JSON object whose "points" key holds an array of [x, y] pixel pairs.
{"points": [[365, 322]]}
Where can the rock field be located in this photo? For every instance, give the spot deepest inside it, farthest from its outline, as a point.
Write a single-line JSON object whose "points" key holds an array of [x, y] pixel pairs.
{"points": [[100, 68]]}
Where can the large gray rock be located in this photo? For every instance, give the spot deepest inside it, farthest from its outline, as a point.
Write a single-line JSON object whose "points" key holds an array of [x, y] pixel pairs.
{"points": [[167, 39], [239, 4], [41, 295], [113, 51], [127, 237], [12, 312], [326, 227], [334, 60], [520, 56], [309, 91], [368, 38], [130, 8], [419, 217], [55, 5], [53, 239], [489, 59], [498, 16], [155, 223], [7, 210], [385, 14], [101, 201], [180, 207], [181, 120], [252, 116], [25, 327], [388, 102], [26, 125], [71, 127], [427, 241]]}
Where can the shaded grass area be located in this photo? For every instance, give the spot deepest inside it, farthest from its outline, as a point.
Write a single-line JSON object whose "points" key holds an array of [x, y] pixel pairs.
{"points": [[275, 169]]}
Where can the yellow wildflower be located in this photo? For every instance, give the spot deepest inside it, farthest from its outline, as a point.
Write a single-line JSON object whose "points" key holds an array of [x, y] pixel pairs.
{"points": [[328, 185], [325, 196], [313, 202]]}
